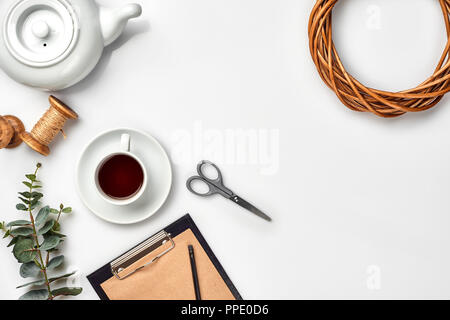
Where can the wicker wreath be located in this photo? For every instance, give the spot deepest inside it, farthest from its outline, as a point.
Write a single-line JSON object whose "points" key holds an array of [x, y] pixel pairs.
{"points": [[355, 95]]}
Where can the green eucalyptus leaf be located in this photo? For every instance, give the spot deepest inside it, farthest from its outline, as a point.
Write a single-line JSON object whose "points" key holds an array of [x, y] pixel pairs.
{"points": [[22, 250], [35, 205], [56, 227], [29, 185], [41, 294], [21, 207], [13, 241], [31, 177], [55, 262], [18, 223], [67, 291], [59, 235], [22, 231], [54, 211], [67, 210], [36, 195], [37, 198], [47, 227], [36, 187], [29, 270], [7, 234], [33, 283], [50, 242], [25, 194], [42, 215], [64, 276], [24, 200]]}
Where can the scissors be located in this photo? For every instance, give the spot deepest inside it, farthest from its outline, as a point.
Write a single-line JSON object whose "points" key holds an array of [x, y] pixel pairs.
{"points": [[216, 186]]}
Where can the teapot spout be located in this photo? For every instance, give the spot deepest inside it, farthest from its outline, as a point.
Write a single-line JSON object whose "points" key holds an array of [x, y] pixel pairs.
{"points": [[113, 21]]}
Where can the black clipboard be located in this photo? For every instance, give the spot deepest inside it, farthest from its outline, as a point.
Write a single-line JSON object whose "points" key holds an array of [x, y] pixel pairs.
{"points": [[186, 222]]}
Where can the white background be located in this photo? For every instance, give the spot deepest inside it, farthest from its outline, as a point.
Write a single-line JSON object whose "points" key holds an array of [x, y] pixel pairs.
{"points": [[361, 205]]}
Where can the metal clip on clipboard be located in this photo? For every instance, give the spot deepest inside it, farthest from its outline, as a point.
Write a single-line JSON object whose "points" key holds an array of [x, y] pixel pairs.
{"points": [[137, 253]]}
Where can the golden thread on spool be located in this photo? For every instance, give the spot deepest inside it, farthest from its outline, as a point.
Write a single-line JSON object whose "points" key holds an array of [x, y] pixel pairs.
{"points": [[48, 127]]}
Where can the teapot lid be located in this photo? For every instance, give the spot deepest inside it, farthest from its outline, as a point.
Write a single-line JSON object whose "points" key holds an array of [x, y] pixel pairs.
{"points": [[41, 33]]}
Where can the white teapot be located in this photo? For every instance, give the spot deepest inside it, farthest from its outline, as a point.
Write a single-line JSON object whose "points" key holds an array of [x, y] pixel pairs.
{"points": [[53, 44]]}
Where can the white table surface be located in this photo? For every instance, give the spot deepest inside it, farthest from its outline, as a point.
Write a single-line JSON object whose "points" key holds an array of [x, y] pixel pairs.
{"points": [[360, 204]]}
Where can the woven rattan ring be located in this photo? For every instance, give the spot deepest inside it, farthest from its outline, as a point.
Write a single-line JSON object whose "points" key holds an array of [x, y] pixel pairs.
{"points": [[355, 95]]}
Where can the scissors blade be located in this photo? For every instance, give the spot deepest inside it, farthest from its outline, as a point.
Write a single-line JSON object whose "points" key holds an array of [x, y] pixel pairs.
{"points": [[250, 207]]}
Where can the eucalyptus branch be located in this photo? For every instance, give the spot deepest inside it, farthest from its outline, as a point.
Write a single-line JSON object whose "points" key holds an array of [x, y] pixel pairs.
{"points": [[38, 238], [35, 234]]}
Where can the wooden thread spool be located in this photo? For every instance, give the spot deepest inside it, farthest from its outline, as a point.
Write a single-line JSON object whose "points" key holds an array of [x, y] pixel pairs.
{"points": [[10, 130], [46, 129]]}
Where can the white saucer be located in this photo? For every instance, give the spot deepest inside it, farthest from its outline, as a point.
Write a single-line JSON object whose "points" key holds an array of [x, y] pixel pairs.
{"points": [[158, 168]]}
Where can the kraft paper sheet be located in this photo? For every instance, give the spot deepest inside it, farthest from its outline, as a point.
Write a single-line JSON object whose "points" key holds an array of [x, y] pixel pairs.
{"points": [[170, 278]]}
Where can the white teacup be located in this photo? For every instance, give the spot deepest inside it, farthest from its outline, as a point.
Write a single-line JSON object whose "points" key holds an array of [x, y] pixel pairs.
{"points": [[124, 150]]}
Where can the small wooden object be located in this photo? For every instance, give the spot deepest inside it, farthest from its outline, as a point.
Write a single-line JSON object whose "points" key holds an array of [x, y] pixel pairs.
{"points": [[46, 129], [10, 130]]}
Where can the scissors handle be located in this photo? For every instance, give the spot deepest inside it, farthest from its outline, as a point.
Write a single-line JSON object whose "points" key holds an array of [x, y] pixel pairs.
{"points": [[214, 185], [211, 188], [205, 163]]}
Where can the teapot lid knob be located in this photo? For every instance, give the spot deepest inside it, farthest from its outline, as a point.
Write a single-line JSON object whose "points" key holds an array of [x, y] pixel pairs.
{"points": [[40, 29]]}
